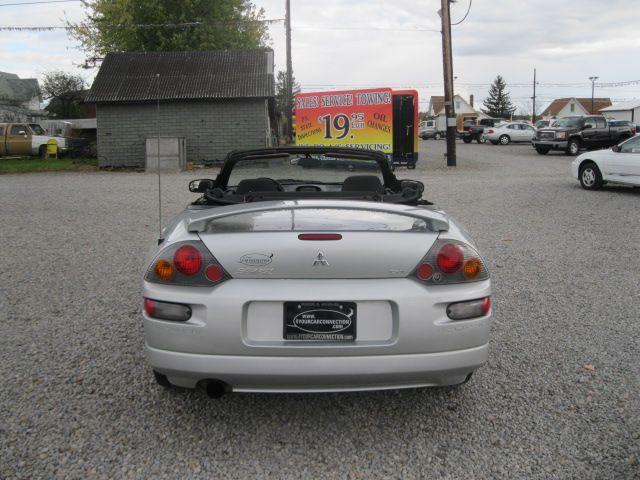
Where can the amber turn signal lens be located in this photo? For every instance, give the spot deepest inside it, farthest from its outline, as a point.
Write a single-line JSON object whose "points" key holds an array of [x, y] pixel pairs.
{"points": [[472, 268], [164, 270]]}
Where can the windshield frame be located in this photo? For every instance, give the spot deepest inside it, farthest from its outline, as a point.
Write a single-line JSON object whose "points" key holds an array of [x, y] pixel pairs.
{"points": [[384, 166]]}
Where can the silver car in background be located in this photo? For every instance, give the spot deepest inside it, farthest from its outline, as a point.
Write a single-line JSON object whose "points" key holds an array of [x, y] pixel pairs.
{"points": [[314, 269], [509, 132]]}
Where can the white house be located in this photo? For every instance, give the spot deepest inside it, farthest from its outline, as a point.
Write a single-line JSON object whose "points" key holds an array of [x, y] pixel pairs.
{"points": [[623, 111], [464, 110], [568, 107], [19, 98]]}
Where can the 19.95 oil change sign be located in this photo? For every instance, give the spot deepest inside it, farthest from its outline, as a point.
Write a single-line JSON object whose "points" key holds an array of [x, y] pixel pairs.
{"points": [[349, 118]]}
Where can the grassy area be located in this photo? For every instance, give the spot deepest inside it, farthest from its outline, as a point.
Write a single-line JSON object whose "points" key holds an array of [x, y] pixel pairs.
{"points": [[35, 164]]}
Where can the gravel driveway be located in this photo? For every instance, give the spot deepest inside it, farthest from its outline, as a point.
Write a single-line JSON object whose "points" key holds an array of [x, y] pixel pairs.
{"points": [[559, 397]]}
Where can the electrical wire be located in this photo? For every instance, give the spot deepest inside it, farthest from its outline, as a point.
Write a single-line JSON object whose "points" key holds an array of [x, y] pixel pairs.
{"points": [[47, 28], [36, 3], [465, 15]]}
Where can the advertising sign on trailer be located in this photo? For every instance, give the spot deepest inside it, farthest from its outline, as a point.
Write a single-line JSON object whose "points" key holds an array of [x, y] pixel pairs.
{"points": [[349, 118]]}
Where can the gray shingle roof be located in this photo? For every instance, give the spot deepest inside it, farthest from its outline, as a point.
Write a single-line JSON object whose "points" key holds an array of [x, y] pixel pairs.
{"points": [[213, 74], [17, 89]]}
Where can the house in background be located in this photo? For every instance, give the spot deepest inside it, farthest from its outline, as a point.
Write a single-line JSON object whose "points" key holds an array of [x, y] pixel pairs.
{"points": [[464, 110], [216, 100], [568, 107], [623, 111], [19, 99]]}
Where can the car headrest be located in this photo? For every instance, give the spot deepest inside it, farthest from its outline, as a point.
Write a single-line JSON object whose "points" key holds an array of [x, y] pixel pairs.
{"points": [[257, 185], [362, 183]]}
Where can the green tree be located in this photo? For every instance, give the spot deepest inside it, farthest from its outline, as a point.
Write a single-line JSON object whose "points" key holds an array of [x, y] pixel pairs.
{"points": [[281, 92], [498, 103], [65, 92], [159, 25]]}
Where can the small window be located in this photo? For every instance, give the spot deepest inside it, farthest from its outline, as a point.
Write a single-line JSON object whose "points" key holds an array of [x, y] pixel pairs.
{"points": [[513, 126], [457, 105], [601, 123], [16, 129], [631, 146], [572, 107], [591, 121], [1, 130]]}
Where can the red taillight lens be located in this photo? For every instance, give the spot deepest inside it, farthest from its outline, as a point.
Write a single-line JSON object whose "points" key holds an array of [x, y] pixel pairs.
{"points": [[489, 131], [424, 271], [450, 258], [486, 305], [187, 260], [149, 307], [214, 273]]}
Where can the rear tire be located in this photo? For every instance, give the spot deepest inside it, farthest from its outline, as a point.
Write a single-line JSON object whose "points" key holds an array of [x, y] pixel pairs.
{"points": [[590, 176], [161, 379], [466, 140], [42, 152], [542, 150], [504, 140], [573, 147]]}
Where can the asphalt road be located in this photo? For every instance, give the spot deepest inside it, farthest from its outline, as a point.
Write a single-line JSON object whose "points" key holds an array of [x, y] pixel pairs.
{"points": [[558, 398]]}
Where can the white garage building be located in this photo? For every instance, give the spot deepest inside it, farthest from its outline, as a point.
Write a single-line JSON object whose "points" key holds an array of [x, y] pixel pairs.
{"points": [[623, 111]]}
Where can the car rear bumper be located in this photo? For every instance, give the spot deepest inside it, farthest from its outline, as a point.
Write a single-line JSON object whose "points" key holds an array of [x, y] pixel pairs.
{"points": [[235, 334], [318, 374], [550, 144]]}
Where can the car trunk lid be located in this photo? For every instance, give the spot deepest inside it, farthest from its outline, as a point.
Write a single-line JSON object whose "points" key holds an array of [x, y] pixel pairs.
{"points": [[323, 242]]}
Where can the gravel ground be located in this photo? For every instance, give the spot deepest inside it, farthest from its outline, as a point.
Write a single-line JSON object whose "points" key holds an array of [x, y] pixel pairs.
{"points": [[558, 398]]}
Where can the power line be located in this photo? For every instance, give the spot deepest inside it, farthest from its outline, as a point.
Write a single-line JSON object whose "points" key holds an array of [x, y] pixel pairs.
{"points": [[386, 29], [465, 15], [47, 28], [36, 3]]}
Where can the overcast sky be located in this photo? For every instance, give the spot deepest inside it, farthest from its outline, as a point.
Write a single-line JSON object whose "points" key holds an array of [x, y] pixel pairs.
{"points": [[341, 44]]}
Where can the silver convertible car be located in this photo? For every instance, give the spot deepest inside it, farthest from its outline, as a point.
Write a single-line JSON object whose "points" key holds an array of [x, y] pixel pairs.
{"points": [[314, 269]]}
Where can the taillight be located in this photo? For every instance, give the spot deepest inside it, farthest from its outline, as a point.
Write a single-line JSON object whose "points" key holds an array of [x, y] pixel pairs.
{"points": [[186, 263], [469, 309], [450, 258], [187, 260], [489, 131], [167, 311], [451, 261]]}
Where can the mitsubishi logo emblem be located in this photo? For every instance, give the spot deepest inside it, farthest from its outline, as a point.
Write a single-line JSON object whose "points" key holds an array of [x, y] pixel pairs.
{"points": [[320, 260]]}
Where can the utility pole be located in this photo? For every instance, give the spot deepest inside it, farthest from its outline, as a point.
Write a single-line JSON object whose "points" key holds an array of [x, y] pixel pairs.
{"points": [[533, 117], [289, 133], [593, 87], [447, 64]]}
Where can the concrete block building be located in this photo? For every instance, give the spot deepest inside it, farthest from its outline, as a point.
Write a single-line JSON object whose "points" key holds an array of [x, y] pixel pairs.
{"points": [[216, 100]]}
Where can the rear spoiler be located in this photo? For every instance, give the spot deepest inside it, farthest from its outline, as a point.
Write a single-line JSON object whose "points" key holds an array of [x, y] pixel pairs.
{"points": [[435, 221]]}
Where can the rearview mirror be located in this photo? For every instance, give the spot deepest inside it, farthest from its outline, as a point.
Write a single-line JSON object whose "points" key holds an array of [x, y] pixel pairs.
{"points": [[201, 185], [23, 133], [616, 148]]}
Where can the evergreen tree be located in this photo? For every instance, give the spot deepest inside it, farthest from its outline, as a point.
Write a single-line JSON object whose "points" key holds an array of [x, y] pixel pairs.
{"points": [[498, 103], [281, 92]]}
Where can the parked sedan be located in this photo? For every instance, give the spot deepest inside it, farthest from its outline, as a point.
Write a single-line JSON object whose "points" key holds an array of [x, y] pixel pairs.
{"points": [[506, 133], [620, 164], [314, 279]]}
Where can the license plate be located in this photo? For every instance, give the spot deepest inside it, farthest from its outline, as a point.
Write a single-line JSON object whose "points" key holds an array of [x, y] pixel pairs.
{"points": [[320, 321]]}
